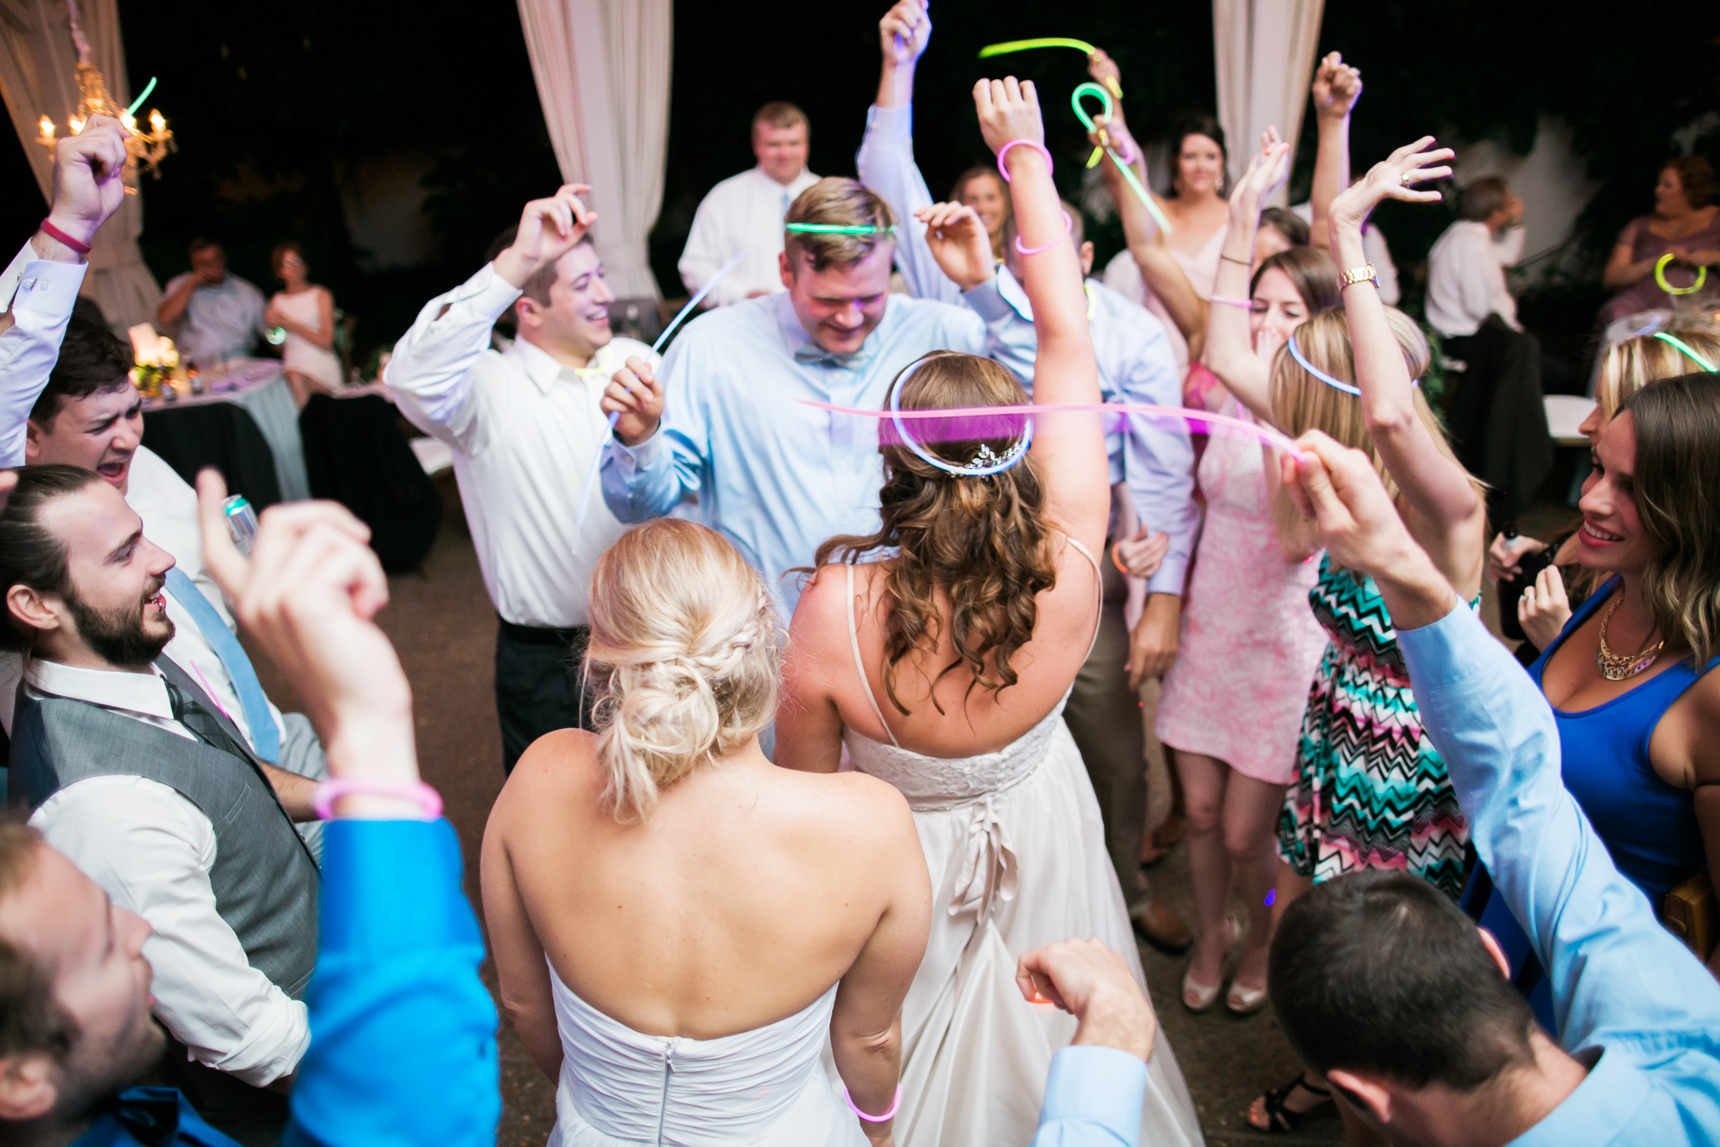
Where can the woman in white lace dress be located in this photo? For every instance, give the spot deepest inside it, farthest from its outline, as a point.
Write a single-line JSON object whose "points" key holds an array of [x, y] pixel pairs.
{"points": [[940, 652], [679, 927]]}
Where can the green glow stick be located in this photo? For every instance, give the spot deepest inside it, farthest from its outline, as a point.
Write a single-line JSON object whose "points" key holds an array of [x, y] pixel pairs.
{"points": [[1660, 277], [1689, 351], [1042, 42], [834, 229], [143, 95], [1128, 169]]}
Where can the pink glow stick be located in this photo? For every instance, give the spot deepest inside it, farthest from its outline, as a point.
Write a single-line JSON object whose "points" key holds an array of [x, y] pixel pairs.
{"points": [[1264, 434]]}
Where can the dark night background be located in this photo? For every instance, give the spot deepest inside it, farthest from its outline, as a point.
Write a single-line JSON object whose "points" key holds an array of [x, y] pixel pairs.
{"points": [[275, 108]]}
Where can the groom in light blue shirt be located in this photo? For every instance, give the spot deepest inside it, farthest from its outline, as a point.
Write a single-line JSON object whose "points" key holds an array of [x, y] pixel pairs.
{"points": [[724, 421]]}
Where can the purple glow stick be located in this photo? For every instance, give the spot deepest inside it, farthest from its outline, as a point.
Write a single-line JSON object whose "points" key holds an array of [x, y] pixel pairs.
{"points": [[1264, 434], [615, 415]]}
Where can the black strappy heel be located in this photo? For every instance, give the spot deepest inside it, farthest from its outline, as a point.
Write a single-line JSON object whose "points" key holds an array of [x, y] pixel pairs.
{"points": [[1279, 1118]]}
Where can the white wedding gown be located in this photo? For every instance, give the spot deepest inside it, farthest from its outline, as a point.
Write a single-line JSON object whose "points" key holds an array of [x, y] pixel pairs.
{"points": [[759, 1088], [1016, 851]]}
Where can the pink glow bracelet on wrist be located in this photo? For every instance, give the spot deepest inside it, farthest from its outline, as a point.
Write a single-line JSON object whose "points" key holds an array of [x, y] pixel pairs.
{"points": [[55, 233], [1004, 150], [1245, 304], [890, 1114], [326, 793], [1068, 227]]}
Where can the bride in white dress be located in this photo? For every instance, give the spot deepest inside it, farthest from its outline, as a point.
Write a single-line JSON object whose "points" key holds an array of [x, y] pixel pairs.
{"points": [[677, 924], [940, 652]]}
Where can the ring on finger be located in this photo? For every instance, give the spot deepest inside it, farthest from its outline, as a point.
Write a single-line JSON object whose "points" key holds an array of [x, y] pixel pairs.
{"points": [[1407, 178]]}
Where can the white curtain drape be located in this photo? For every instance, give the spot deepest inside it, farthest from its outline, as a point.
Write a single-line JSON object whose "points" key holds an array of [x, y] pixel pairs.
{"points": [[1265, 58], [38, 77], [602, 70]]}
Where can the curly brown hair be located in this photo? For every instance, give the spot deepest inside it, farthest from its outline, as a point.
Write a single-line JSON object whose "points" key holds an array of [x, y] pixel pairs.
{"points": [[983, 541]]}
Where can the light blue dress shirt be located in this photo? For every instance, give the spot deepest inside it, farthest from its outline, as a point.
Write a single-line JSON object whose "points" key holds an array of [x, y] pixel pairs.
{"points": [[1135, 359], [774, 476], [1093, 1098], [1631, 1001]]}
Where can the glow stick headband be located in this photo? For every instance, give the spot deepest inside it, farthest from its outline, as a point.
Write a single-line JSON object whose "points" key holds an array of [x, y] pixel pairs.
{"points": [[835, 229], [1689, 353], [983, 463], [1048, 42], [1264, 434], [1128, 169], [615, 415], [141, 96], [1296, 353], [1660, 277]]}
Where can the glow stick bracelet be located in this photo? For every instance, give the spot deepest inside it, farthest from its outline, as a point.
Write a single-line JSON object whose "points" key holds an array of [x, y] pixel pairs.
{"points": [[1264, 434], [1689, 352], [615, 415], [143, 95], [1660, 277], [1245, 304], [1127, 169], [1009, 46]]}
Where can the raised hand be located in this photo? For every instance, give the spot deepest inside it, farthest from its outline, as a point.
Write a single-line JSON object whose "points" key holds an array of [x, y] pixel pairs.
{"points": [[958, 241], [1105, 71], [904, 32], [88, 178], [308, 594], [1341, 492], [549, 228], [1267, 169], [1390, 179], [1337, 87], [1092, 983], [1008, 110], [637, 396]]}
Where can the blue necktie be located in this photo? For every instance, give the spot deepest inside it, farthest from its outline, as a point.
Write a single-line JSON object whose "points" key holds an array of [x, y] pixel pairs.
{"points": [[264, 734]]}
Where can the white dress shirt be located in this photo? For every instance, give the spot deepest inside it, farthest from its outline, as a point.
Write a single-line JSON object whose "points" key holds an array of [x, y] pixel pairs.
{"points": [[39, 294], [221, 322], [1466, 278], [524, 430], [152, 850], [742, 213]]}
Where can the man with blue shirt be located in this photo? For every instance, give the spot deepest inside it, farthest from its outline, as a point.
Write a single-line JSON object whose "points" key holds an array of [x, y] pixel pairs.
{"points": [[725, 420], [213, 314]]}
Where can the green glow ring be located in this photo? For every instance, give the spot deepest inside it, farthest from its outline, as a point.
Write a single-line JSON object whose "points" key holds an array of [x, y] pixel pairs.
{"points": [[1660, 277], [143, 95], [1689, 352], [834, 229], [1128, 170]]}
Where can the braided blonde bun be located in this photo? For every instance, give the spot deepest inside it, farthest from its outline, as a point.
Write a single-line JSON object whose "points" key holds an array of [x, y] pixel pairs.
{"points": [[685, 656]]}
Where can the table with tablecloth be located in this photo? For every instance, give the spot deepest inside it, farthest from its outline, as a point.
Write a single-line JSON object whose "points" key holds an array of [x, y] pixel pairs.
{"points": [[258, 387]]}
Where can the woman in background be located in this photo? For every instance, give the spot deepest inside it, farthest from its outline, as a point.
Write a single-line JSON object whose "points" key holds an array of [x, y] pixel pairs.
{"points": [[981, 189], [305, 312], [1683, 224]]}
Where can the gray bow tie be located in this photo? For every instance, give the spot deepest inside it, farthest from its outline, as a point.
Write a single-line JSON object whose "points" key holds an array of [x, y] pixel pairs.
{"points": [[812, 354]]}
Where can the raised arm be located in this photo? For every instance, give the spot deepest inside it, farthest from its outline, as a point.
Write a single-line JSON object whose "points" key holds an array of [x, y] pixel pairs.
{"points": [[1336, 88], [1446, 512], [1161, 272], [1230, 350], [1071, 450]]}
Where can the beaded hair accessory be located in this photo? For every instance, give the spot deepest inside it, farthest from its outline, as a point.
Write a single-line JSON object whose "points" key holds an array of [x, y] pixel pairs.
{"points": [[1339, 384], [985, 461]]}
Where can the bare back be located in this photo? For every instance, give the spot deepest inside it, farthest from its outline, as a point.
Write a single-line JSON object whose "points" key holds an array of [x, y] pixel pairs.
{"points": [[739, 901]]}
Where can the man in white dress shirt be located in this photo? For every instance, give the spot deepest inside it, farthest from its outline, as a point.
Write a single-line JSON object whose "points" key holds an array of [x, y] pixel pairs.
{"points": [[212, 314], [1466, 268], [744, 213], [525, 427], [129, 770]]}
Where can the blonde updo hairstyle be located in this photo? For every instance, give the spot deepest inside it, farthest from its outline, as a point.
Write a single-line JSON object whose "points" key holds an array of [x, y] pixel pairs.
{"points": [[685, 658], [1632, 364], [1301, 402]]}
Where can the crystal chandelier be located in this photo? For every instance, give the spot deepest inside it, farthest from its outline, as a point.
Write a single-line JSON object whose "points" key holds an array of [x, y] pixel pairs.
{"points": [[144, 149]]}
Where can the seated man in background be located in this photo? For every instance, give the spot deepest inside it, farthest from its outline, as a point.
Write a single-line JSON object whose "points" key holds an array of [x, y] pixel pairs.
{"points": [[743, 214], [1496, 416], [211, 314], [1406, 1018], [132, 772], [396, 999]]}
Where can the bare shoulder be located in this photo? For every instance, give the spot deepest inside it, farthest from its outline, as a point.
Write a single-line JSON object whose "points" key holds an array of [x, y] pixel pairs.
{"points": [[820, 623], [558, 769], [1703, 699], [859, 810]]}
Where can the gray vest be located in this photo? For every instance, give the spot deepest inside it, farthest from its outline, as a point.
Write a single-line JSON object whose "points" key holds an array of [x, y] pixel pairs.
{"points": [[264, 879]]}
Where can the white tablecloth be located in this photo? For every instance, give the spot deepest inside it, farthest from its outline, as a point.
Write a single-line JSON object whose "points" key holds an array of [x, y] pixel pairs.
{"points": [[258, 385]]}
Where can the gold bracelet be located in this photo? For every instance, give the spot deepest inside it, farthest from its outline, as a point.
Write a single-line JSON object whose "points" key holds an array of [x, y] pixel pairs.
{"points": [[1363, 274]]}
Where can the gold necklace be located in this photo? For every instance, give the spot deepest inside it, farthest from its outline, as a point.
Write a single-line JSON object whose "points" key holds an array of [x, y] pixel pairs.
{"points": [[1623, 666]]}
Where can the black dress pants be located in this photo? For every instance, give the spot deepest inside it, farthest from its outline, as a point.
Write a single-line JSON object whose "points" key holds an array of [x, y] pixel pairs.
{"points": [[540, 685]]}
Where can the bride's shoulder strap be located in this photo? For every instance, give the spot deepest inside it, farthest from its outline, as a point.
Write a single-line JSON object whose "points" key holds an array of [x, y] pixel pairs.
{"points": [[1098, 589], [859, 665]]}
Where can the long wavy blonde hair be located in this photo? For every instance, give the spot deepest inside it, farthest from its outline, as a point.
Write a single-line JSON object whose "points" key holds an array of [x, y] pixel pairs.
{"points": [[685, 658]]}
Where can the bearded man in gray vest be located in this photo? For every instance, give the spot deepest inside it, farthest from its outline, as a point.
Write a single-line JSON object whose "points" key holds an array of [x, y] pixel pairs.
{"points": [[132, 772]]}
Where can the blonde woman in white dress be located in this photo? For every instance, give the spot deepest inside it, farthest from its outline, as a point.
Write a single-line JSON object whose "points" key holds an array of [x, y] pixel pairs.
{"points": [[940, 652], [306, 313]]}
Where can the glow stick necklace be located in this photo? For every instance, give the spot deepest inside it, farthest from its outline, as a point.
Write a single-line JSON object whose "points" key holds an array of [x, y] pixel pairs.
{"points": [[615, 415], [1660, 277], [1689, 353], [1128, 169], [1264, 434], [143, 95], [1082, 46], [1338, 384]]}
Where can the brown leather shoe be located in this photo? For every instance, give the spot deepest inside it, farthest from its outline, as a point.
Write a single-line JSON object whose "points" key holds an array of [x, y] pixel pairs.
{"points": [[1159, 926]]}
